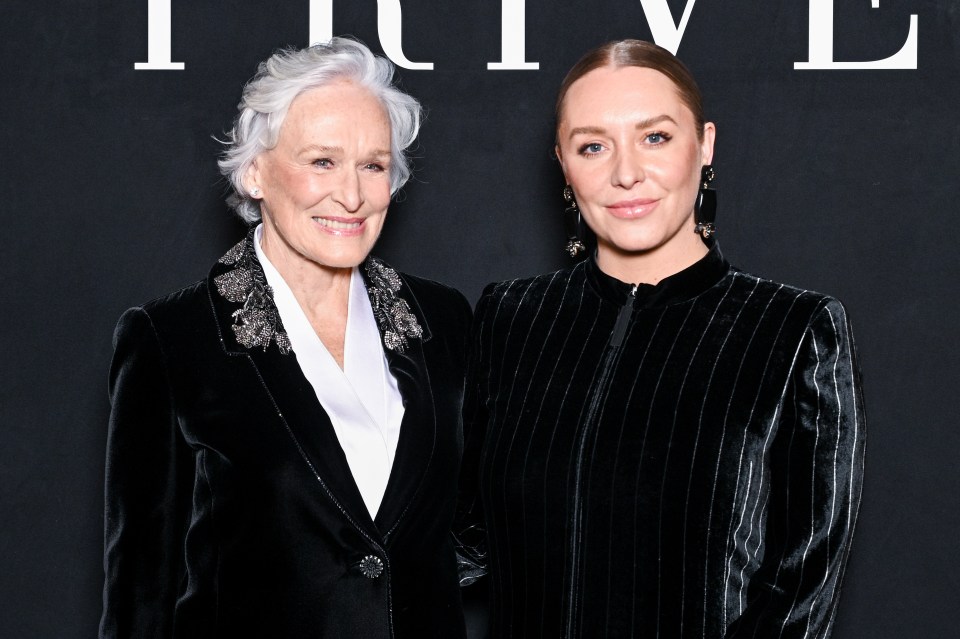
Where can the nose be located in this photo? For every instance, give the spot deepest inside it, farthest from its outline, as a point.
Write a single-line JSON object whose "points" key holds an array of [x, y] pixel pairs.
{"points": [[348, 192], [627, 167]]}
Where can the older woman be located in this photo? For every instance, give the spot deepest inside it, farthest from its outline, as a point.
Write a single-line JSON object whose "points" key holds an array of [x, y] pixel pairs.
{"points": [[659, 444], [283, 445]]}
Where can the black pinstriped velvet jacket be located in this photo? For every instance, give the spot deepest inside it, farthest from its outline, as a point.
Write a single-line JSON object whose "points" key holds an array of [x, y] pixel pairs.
{"points": [[231, 510], [684, 460]]}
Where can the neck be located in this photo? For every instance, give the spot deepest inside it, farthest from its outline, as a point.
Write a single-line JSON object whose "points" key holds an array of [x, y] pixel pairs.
{"points": [[652, 266], [315, 286]]}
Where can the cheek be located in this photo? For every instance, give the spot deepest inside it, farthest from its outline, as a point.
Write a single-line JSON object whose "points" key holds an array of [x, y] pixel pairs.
{"points": [[283, 183], [305, 190], [680, 179], [682, 172], [587, 180], [378, 194]]}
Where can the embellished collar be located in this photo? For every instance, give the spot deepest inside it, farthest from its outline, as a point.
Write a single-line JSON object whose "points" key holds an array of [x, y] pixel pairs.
{"points": [[397, 322], [679, 287], [257, 322]]}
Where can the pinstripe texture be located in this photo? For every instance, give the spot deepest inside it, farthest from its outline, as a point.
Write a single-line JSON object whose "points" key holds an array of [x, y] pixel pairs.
{"points": [[699, 479]]}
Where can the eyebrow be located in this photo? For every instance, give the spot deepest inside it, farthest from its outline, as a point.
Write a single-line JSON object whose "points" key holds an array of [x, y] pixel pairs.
{"points": [[322, 148], [642, 124]]}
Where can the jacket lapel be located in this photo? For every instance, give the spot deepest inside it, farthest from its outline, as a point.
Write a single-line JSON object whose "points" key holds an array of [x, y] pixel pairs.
{"points": [[254, 333], [294, 399], [408, 364]]}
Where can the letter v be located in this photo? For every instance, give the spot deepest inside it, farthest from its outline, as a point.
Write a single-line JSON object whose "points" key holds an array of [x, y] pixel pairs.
{"points": [[664, 31]]}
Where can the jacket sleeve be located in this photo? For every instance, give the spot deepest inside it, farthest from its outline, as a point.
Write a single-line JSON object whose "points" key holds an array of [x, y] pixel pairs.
{"points": [[469, 529], [816, 477], [147, 494]]}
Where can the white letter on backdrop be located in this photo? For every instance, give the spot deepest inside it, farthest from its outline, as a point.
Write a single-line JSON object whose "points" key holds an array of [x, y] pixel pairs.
{"points": [[388, 25], [158, 39], [321, 21], [821, 43], [662, 28], [513, 38]]}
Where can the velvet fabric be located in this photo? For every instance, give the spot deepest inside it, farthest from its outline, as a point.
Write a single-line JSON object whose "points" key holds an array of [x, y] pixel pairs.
{"points": [[682, 461], [230, 508]]}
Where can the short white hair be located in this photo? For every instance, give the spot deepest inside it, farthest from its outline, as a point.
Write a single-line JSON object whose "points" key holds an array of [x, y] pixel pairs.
{"points": [[288, 73]]}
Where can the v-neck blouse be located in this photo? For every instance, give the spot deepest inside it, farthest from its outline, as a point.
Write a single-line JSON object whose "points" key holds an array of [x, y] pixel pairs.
{"points": [[362, 400]]}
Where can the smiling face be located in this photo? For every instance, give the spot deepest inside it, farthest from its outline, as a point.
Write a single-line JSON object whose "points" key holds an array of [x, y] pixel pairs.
{"points": [[630, 149], [325, 187]]}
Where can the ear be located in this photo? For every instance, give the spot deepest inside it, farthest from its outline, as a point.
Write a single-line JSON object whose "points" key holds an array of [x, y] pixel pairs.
{"points": [[706, 145], [252, 179], [563, 166]]}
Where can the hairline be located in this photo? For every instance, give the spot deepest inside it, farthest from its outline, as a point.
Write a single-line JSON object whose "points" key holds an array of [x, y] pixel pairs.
{"points": [[613, 55]]}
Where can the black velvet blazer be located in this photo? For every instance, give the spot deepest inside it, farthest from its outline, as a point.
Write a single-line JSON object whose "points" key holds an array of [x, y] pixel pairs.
{"points": [[679, 460], [230, 508]]}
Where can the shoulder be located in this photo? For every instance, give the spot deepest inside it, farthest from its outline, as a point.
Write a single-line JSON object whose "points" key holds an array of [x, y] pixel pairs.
{"points": [[175, 312], [177, 301], [803, 306], [178, 306], [442, 307], [517, 294], [431, 294], [521, 287]]}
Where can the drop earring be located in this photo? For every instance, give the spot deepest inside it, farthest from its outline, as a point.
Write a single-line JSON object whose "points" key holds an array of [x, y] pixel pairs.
{"points": [[705, 208], [571, 220]]}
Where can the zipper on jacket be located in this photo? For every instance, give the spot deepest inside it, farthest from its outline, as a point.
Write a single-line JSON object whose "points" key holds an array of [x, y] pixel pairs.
{"points": [[599, 390], [623, 320]]}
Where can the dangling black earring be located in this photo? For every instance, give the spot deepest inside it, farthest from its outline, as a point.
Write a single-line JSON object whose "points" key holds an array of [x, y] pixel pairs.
{"points": [[705, 208], [571, 220]]}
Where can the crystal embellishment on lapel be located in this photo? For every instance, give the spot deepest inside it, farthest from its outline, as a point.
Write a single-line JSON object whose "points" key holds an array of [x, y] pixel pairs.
{"points": [[258, 322], [392, 312]]}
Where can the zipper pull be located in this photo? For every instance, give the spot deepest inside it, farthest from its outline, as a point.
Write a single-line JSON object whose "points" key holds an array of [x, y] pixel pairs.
{"points": [[623, 319]]}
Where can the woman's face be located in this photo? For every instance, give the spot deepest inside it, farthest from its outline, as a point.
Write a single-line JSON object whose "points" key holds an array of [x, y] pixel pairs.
{"points": [[629, 149], [325, 186]]}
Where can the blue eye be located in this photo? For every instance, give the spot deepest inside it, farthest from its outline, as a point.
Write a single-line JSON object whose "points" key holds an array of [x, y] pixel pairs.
{"points": [[378, 168], [591, 149], [323, 163], [657, 138]]}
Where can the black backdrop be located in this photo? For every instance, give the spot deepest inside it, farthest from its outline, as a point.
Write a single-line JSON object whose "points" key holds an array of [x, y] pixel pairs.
{"points": [[843, 181]]}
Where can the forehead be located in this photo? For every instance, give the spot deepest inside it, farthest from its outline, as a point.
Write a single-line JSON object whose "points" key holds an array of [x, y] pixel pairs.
{"points": [[339, 107], [623, 91]]}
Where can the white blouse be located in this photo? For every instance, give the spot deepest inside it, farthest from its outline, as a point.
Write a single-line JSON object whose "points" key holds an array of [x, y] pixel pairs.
{"points": [[362, 400]]}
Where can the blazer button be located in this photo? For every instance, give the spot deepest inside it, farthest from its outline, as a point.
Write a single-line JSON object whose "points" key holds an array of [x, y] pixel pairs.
{"points": [[371, 566]]}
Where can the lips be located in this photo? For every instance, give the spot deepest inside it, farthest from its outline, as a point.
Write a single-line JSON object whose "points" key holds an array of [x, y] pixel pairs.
{"points": [[632, 209], [340, 226]]}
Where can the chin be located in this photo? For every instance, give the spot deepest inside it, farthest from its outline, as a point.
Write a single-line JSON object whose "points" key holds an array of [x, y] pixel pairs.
{"points": [[649, 242], [343, 262], [340, 254], [635, 245]]}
